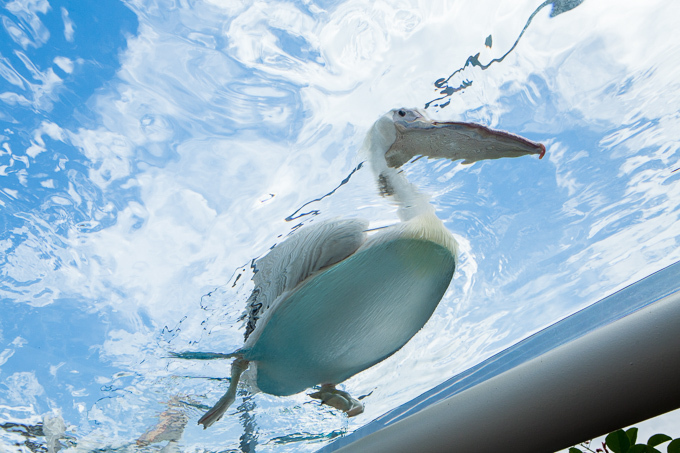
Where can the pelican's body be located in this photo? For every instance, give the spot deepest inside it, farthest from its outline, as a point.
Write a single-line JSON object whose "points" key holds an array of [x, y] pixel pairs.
{"points": [[331, 301], [351, 315]]}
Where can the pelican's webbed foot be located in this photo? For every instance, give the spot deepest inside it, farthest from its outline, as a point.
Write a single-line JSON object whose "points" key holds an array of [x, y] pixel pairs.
{"points": [[238, 366], [339, 399]]}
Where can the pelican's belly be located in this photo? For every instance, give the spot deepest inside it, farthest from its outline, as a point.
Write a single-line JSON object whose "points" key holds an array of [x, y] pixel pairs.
{"points": [[351, 316]]}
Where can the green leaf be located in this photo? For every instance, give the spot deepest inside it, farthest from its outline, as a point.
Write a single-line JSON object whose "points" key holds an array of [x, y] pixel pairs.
{"points": [[632, 435], [674, 446], [618, 441], [638, 448], [574, 450], [651, 449], [657, 439]]}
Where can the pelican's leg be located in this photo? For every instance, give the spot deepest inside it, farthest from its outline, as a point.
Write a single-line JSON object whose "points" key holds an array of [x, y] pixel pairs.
{"points": [[238, 366], [328, 394]]}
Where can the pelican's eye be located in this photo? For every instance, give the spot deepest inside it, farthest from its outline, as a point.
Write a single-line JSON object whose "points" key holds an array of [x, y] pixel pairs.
{"points": [[406, 115]]}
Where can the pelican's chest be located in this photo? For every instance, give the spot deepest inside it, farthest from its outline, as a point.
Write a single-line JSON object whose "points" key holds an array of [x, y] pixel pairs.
{"points": [[353, 315]]}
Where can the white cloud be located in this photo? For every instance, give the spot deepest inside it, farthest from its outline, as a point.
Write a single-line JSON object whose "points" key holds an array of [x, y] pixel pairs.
{"points": [[23, 388], [41, 94], [38, 144], [5, 356], [64, 63], [30, 31], [68, 25]]}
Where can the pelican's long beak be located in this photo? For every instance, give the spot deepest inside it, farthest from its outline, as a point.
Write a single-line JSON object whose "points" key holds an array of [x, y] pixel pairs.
{"points": [[419, 136]]}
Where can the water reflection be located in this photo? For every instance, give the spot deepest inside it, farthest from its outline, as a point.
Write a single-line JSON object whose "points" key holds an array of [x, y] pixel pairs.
{"points": [[148, 149], [248, 440], [558, 7]]}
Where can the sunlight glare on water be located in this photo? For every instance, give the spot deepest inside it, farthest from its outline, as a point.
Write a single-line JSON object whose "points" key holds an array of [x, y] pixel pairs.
{"points": [[151, 149]]}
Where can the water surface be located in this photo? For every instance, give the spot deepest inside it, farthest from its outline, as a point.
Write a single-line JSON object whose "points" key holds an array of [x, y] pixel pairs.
{"points": [[150, 150]]}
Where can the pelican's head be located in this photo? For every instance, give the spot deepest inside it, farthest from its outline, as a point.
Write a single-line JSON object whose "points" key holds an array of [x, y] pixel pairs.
{"points": [[402, 134]]}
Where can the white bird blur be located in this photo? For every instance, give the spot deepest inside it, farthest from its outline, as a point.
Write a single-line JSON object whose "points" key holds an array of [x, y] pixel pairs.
{"points": [[332, 300]]}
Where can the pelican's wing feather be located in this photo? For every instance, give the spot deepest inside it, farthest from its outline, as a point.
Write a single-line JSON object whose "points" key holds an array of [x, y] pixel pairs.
{"points": [[304, 253]]}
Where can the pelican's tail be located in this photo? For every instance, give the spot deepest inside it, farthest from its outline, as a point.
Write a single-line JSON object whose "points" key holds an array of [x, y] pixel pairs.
{"points": [[196, 355], [238, 366]]}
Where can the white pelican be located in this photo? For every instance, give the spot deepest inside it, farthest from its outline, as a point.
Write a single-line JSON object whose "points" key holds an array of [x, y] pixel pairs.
{"points": [[331, 301]]}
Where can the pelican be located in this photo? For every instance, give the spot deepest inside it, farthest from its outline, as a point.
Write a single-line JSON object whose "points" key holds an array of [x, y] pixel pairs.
{"points": [[331, 300]]}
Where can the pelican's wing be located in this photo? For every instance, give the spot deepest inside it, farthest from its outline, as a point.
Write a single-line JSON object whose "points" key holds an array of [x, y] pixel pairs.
{"points": [[307, 251], [468, 141]]}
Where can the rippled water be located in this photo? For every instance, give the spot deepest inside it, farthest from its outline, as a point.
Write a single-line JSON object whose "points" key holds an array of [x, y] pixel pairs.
{"points": [[151, 149]]}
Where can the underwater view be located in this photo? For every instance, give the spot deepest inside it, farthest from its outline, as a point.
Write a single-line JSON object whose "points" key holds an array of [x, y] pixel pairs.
{"points": [[152, 151]]}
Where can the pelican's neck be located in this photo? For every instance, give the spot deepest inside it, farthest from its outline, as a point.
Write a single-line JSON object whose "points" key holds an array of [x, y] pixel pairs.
{"points": [[391, 181], [415, 211]]}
